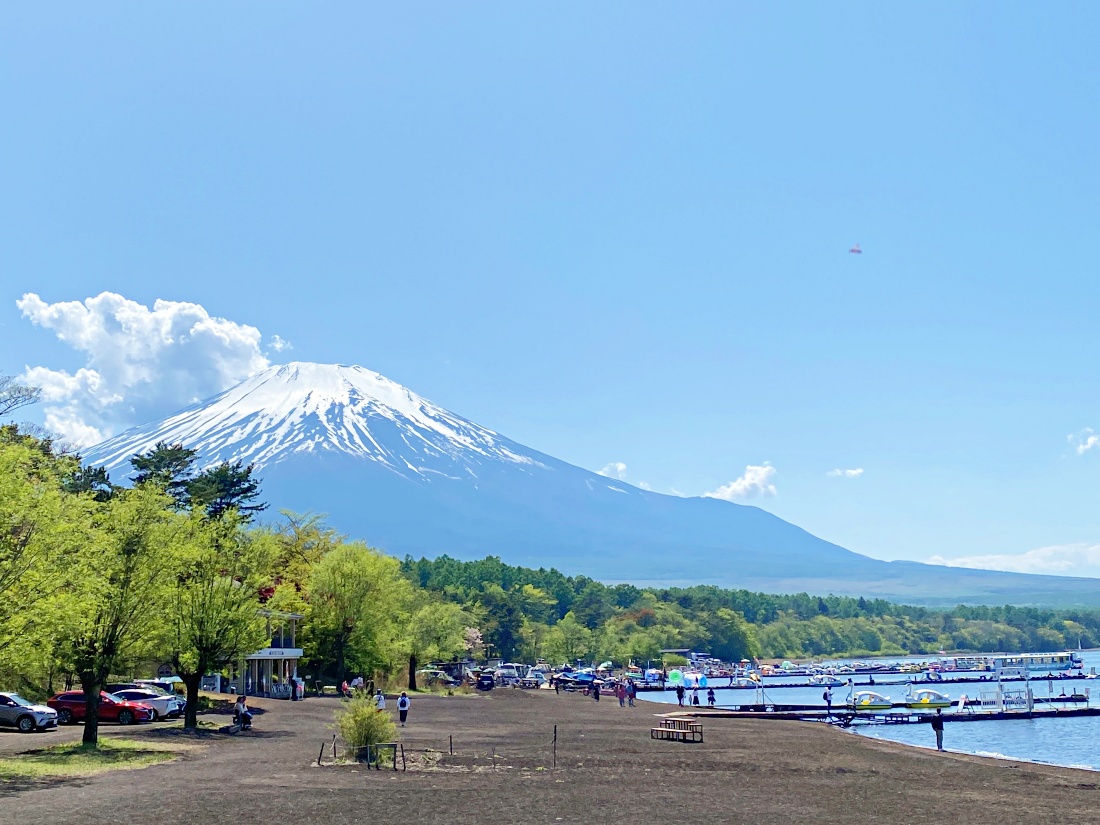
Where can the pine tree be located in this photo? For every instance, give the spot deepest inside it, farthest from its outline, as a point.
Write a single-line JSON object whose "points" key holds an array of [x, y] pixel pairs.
{"points": [[168, 466], [229, 487]]}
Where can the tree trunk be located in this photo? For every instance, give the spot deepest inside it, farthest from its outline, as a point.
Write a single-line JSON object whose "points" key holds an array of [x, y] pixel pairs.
{"points": [[191, 712], [412, 671], [90, 685]]}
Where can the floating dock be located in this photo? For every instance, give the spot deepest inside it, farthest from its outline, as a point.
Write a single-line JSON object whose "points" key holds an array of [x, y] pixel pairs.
{"points": [[902, 716]]}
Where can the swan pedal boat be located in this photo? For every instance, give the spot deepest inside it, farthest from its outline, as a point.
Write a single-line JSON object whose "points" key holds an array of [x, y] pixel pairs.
{"points": [[927, 699], [869, 700]]}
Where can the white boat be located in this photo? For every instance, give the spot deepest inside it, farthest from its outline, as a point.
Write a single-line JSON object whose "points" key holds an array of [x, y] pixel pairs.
{"points": [[927, 699], [869, 700], [825, 679]]}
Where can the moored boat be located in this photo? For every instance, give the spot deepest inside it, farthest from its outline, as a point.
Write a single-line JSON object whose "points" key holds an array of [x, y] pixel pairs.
{"points": [[869, 700], [927, 699]]}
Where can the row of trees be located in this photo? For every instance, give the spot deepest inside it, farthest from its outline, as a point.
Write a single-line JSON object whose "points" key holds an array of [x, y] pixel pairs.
{"points": [[528, 613]]}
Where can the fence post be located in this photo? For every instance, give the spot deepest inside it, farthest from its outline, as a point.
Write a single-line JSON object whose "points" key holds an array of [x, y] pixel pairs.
{"points": [[322, 753], [555, 746], [334, 746], [451, 743], [404, 767]]}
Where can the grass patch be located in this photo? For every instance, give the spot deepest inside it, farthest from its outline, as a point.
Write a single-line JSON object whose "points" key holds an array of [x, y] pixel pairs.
{"points": [[74, 760]]}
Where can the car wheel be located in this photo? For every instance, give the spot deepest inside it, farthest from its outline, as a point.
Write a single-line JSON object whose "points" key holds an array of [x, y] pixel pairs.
{"points": [[25, 724], [126, 717], [64, 716], [156, 716]]}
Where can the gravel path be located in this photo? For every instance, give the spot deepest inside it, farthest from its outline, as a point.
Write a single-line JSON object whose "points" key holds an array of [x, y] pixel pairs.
{"points": [[607, 768]]}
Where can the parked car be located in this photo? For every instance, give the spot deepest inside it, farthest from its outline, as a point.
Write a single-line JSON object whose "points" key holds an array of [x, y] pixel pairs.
{"points": [[70, 708], [437, 677], [485, 680], [27, 716], [163, 705]]}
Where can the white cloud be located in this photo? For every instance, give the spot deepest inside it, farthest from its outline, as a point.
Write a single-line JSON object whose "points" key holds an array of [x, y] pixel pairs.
{"points": [[1084, 440], [855, 472], [140, 362], [279, 344], [616, 469], [1081, 559], [756, 481]]}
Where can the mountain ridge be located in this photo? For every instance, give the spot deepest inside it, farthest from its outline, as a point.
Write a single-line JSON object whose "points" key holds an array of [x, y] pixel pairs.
{"points": [[411, 477]]}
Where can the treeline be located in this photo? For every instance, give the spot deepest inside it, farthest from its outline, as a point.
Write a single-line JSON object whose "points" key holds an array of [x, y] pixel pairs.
{"points": [[525, 610]]}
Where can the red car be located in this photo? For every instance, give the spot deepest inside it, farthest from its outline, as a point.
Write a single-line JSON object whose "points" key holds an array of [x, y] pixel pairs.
{"points": [[70, 708]]}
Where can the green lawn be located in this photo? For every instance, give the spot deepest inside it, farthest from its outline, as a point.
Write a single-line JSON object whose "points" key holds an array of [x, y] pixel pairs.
{"points": [[74, 760]]}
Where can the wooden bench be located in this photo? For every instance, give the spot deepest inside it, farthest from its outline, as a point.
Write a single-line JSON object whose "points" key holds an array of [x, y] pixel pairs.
{"points": [[678, 730]]}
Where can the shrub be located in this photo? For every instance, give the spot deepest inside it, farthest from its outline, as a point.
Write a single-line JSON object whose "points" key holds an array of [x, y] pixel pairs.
{"points": [[361, 724]]}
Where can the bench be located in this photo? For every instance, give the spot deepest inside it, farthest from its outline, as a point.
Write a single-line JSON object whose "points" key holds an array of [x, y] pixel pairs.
{"points": [[678, 730]]}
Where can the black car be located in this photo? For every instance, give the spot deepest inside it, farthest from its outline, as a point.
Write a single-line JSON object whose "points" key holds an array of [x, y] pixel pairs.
{"points": [[485, 681]]}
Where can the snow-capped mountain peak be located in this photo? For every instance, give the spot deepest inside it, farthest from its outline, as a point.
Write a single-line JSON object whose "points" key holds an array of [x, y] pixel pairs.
{"points": [[304, 407]]}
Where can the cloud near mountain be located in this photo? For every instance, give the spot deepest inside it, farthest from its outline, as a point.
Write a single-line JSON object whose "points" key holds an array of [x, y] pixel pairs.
{"points": [[139, 362], [1080, 559], [754, 482]]}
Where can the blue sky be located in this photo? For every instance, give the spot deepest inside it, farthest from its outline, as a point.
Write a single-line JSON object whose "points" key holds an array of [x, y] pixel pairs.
{"points": [[615, 235]]}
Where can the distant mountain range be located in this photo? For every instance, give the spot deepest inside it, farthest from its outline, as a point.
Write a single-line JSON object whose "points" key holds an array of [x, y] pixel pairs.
{"points": [[410, 477]]}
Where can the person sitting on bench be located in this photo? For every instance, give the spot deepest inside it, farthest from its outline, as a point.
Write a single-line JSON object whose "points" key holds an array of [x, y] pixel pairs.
{"points": [[241, 714]]}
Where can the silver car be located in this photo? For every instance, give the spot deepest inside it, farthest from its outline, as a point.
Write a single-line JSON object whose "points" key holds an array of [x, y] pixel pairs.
{"points": [[27, 716]]}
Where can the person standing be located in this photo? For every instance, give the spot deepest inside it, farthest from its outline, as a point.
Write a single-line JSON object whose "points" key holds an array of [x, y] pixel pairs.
{"points": [[710, 697], [379, 701], [680, 695], [828, 697], [937, 726], [620, 694], [403, 707], [631, 692]]}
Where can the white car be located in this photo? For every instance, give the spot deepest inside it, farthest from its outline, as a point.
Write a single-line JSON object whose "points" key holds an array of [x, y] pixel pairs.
{"points": [[164, 706], [27, 716]]}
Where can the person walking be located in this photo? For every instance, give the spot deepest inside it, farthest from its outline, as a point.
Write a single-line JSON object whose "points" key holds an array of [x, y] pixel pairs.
{"points": [[379, 701], [710, 697], [631, 692], [680, 695], [937, 726], [403, 707], [620, 694], [595, 690]]}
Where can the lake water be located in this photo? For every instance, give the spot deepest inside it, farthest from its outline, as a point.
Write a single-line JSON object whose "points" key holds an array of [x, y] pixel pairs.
{"points": [[1070, 741]]}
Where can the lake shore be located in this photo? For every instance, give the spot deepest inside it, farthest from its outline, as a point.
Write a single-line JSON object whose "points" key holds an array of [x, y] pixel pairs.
{"points": [[607, 768]]}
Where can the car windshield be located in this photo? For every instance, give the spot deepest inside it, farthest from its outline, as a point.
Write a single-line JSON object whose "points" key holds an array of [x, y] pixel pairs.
{"points": [[111, 697], [19, 700]]}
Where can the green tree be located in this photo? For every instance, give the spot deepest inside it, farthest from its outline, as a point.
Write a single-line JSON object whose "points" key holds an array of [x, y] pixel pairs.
{"points": [[214, 609], [168, 466], [568, 640], [357, 599], [436, 630], [43, 531], [226, 488], [121, 588]]}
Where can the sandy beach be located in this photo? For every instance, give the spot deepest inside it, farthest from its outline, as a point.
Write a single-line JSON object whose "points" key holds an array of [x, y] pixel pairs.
{"points": [[502, 767]]}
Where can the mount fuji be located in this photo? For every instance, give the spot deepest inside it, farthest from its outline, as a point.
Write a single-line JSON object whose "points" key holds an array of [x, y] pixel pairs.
{"points": [[409, 477]]}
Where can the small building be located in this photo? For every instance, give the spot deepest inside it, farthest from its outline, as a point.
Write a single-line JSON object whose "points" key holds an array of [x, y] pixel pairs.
{"points": [[268, 671]]}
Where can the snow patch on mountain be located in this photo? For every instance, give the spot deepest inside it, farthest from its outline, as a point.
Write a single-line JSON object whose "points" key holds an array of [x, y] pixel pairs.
{"points": [[303, 408]]}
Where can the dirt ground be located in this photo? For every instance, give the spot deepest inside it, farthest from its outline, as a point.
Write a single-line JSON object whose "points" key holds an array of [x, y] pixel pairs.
{"points": [[607, 768]]}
